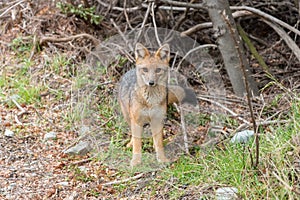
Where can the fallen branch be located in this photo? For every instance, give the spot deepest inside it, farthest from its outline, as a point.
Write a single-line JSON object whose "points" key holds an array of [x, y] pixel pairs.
{"points": [[22, 112], [205, 25], [267, 17], [124, 180], [184, 4], [70, 38], [225, 108], [288, 40], [8, 9], [262, 123]]}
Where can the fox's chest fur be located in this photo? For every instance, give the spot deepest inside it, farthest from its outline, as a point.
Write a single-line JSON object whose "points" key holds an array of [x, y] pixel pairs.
{"points": [[152, 96], [148, 103]]}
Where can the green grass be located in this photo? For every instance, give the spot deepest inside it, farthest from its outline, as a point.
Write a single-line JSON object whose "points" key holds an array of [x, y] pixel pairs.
{"points": [[20, 86], [231, 166], [24, 79]]}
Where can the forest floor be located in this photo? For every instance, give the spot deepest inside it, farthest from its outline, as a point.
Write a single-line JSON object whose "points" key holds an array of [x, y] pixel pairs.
{"points": [[52, 100]]}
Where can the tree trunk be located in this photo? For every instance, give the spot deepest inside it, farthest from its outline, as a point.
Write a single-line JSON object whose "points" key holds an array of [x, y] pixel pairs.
{"points": [[230, 46]]}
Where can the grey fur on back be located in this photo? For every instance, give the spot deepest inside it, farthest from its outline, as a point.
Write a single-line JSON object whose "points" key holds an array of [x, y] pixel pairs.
{"points": [[126, 87]]}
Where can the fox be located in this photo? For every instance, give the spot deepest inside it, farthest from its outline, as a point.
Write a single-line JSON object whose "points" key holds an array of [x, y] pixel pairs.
{"points": [[144, 94]]}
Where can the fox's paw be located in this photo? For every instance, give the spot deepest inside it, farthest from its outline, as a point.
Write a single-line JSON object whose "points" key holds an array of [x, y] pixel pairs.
{"points": [[136, 160], [162, 158], [129, 145]]}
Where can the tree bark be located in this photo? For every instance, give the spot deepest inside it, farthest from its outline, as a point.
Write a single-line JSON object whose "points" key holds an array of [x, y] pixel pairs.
{"points": [[230, 46]]}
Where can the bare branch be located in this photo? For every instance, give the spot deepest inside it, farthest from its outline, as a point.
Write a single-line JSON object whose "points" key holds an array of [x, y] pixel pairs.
{"points": [[184, 4], [198, 27], [288, 40], [124, 180], [266, 16], [70, 38]]}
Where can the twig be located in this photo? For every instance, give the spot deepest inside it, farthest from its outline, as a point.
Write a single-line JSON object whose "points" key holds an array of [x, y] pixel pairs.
{"points": [[288, 40], [66, 39], [124, 180], [262, 123], [104, 123], [205, 25], [225, 108], [183, 126], [193, 50], [120, 32], [182, 18], [154, 24], [184, 4], [8, 9], [267, 17], [82, 161], [197, 28], [286, 185], [23, 111], [144, 22], [34, 47], [126, 15], [129, 10]]}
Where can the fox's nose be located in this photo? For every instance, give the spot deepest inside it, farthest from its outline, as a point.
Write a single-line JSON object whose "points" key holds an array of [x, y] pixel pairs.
{"points": [[151, 83]]}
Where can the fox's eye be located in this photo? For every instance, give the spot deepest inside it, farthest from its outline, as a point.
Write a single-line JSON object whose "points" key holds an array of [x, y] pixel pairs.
{"points": [[145, 69], [157, 70]]}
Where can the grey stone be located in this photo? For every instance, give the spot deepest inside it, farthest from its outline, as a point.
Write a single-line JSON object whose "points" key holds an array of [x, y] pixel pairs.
{"points": [[9, 133], [226, 193], [82, 148], [64, 183], [50, 136], [242, 137]]}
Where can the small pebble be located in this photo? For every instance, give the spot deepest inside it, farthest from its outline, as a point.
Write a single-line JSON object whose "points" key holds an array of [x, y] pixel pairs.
{"points": [[226, 193], [64, 183], [9, 133], [50, 136]]}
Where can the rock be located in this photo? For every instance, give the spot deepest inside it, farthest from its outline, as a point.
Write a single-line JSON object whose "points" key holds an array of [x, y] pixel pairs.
{"points": [[242, 137], [15, 97], [11, 186], [83, 169], [227, 193], [63, 184], [83, 130], [81, 148], [73, 196], [50, 136], [9, 133]]}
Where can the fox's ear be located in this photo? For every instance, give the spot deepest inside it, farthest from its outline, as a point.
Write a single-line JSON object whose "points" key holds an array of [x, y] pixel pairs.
{"points": [[163, 53], [141, 52]]}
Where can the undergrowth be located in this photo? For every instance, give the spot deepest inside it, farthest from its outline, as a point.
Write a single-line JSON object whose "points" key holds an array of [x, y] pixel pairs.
{"points": [[231, 165], [200, 174]]}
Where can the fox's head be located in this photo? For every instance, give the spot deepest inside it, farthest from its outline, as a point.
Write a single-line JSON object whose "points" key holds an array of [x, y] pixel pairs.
{"points": [[152, 69]]}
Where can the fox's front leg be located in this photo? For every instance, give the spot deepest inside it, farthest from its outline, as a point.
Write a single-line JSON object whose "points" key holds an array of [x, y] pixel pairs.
{"points": [[157, 134], [136, 141]]}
